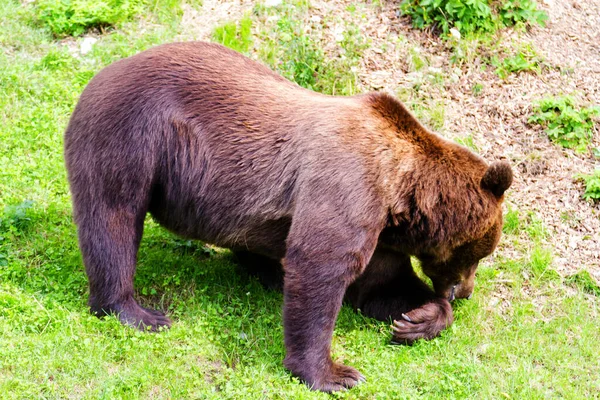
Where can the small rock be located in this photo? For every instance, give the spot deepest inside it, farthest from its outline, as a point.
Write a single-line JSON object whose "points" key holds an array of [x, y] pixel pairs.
{"points": [[573, 242], [272, 3], [338, 33]]}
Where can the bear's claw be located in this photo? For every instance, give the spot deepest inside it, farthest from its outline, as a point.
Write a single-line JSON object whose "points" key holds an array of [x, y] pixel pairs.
{"points": [[425, 322]]}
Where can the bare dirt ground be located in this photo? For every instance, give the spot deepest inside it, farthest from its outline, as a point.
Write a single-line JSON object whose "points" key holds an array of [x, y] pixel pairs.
{"points": [[495, 118]]}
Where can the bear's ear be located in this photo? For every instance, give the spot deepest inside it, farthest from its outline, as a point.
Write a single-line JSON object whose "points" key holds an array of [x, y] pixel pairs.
{"points": [[497, 178]]}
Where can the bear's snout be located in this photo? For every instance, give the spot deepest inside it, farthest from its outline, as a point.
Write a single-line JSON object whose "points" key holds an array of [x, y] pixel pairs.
{"points": [[463, 290]]}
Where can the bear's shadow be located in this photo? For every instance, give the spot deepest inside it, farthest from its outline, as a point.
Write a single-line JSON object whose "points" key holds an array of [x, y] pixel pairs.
{"points": [[192, 281]]}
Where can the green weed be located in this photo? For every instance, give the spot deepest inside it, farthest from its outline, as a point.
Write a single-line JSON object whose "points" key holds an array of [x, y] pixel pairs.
{"points": [[467, 141], [513, 12], [417, 60], [236, 36], [524, 60], [291, 49], [565, 123], [445, 14], [512, 222], [431, 112], [535, 228], [540, 262], [467, 48], [16, 217], [301, 59], [537, 256], [584, 280]]}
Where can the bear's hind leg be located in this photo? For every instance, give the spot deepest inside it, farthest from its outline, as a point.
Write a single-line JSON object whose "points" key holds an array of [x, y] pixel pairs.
{"points": [[269, 272], [109, 239]]}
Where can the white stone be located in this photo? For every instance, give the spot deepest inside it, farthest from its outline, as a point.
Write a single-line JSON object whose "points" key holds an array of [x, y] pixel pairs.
{"points": [[455, 32], [86, 44], [338, 33]]}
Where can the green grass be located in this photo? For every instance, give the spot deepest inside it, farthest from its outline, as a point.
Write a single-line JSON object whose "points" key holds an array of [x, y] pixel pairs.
{"points": [[76, 17], [527, 333], [236, 36], [430, 111], [467, 141]]}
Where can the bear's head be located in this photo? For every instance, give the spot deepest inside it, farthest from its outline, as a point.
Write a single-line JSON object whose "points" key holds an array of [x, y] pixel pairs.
{"points": [[452, 268], [448, 204]]}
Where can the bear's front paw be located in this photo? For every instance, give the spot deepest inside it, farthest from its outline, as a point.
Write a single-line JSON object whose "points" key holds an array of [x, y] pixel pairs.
{"points": [[425, 322], [339, 377], [332, 378]]}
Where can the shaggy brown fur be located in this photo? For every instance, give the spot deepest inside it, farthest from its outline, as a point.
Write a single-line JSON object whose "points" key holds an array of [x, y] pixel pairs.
{"points": [[341, 190]]}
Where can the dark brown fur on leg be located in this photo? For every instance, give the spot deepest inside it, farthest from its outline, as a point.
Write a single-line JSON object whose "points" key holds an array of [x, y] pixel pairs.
{"points": [[111, 194], [309, 316]]}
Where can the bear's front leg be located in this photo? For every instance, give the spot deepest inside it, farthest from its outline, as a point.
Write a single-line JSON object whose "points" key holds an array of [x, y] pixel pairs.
{"points": [[311, 305], [389, 289], [322, 258]]}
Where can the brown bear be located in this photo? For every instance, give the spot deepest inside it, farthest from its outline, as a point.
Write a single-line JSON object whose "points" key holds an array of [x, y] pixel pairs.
{"points": [[338, 190]]}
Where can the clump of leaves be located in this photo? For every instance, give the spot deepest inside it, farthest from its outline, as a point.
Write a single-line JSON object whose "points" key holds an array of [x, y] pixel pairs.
{"points": [[513, 12], [592, 185], [236, 36], [565, 124], [584, 280], [469, 16], [74, 17]]}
